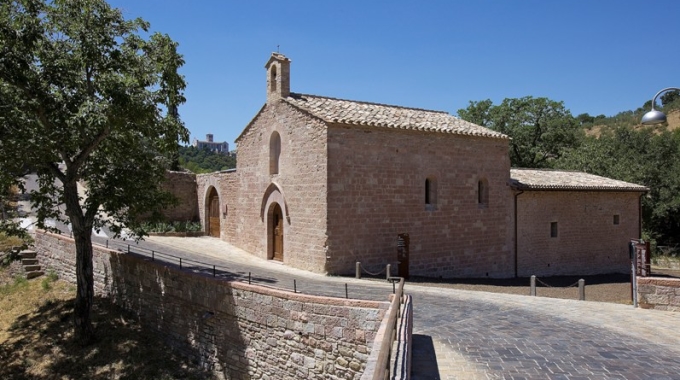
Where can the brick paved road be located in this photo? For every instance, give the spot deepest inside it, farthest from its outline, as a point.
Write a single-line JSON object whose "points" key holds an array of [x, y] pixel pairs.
{"points": [[477, 335], [500, 336]]}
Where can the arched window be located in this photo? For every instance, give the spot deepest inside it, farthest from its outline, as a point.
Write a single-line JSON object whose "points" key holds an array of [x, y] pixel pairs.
{"points": [[430, 191], [274, 152], [483, 192]]}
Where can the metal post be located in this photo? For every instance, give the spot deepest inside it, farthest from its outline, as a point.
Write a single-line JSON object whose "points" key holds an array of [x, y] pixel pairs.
{"points": [[532, 291], [358, 270], [153, 256], [107, 243], [128, 248], [213, 271], [180, 263], [294, 286], [394, 290], [388, 270], [582, 289], [248, 278], [346, 294], [634, 281]]}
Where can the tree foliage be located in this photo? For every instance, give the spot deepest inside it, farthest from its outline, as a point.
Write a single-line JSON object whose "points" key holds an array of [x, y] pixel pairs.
{"points": [[85, 98], [541, 129], [204, 160]]}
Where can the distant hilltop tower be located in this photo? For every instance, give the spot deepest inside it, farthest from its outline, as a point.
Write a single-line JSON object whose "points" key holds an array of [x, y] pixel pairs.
{"points": [[219, 147]]}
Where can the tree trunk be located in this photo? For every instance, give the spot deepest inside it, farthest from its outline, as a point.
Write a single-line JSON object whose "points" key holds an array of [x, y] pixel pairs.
{"points": [[84, 332], [82, 234]]}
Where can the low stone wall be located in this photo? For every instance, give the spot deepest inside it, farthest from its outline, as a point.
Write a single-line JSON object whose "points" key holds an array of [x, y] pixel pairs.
{"points": [[236, 330], [183, 186], [659, 293]]}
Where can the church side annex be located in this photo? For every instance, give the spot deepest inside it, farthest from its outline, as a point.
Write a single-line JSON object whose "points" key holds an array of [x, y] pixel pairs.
{"points": [[322, 183]]}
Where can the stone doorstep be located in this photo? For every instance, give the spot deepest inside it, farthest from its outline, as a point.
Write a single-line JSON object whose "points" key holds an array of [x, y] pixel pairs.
{"points": [[29, 261], [30, 275], [32, 268], [28, 254]]}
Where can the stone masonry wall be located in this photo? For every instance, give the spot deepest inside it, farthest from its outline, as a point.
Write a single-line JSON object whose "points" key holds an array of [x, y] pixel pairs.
{"points": [[183, 186], [299, 188], [587, 242], [659, 293], [236, 330], [376, 190], [226, 185]]}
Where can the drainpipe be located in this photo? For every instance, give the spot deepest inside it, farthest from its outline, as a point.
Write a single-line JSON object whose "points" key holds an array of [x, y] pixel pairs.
{"points": [[516, 195], [640, 215]]}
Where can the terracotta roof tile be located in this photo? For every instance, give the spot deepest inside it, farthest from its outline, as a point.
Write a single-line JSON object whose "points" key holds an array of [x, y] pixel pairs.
{"points": [[545, 179], [353, 112]]}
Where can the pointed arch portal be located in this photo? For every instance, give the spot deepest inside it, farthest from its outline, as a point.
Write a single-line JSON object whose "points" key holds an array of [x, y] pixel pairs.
{"points": [[275, 221], [213, 213]]}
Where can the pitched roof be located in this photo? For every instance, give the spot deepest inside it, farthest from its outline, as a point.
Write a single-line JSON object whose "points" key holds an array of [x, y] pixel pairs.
{"points": [[546, 179], [352, 112]]}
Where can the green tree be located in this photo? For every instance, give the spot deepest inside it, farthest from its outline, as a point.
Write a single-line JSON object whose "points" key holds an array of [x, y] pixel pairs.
{"points": [[669, 97], [204, 160], [86, 98], [478, 112], [541, 129], [585, 119]]}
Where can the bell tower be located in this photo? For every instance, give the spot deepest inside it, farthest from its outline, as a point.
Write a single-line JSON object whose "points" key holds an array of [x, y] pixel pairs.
{"points": [[278, 77]]}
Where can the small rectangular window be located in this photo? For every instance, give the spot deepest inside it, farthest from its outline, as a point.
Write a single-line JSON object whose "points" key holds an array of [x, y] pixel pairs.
{"points": [[428, 190], [553, 229], [616, 219], [483, 192]]}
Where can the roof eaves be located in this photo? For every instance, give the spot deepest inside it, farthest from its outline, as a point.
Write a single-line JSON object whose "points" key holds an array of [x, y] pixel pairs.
{"points": [[306, 111], [251, 122], [523, 186]]}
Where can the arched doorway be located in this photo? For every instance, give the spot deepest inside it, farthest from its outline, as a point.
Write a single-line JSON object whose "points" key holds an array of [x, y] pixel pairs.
{"points": [[213, 213], [276, 225]]}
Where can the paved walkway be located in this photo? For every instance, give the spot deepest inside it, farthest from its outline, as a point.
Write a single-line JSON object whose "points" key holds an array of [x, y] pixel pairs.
{"points": [[477, 335]]}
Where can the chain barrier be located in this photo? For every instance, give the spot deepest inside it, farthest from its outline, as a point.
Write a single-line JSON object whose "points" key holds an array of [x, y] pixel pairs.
{"points": [[373, 274], [550, 286], [221, 271]]}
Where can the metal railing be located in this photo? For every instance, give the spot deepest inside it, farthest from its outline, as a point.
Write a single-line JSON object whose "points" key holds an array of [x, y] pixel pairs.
{"points": [[225, 272]]}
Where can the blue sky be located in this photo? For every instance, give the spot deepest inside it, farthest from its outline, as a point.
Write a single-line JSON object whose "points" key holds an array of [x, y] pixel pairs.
{"points": [[599, 57]]}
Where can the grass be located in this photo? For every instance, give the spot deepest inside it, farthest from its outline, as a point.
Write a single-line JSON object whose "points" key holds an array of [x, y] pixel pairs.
{"points": [[36, 329], [162, 227], [666, 257]]}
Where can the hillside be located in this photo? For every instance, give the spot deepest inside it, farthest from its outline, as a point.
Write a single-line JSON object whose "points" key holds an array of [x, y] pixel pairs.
{"points": [[595, 126], [203, 160], [597, 129]]}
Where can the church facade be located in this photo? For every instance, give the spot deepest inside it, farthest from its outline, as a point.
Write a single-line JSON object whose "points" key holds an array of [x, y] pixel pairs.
{"points": [[322, 183]]}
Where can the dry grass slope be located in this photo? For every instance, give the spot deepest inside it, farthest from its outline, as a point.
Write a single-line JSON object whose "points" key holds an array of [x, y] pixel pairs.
{"points": [[36, 330], [673, 124]]}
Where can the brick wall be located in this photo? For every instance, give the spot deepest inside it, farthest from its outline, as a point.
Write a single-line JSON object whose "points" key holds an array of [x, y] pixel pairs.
{"points": [[237, 330], [300, 182], [376, 190], [587, 242], [183, 186], [659, 293]]}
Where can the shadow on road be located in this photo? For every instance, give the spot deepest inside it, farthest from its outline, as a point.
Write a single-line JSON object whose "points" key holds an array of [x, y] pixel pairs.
{"points": [[424, 364]]}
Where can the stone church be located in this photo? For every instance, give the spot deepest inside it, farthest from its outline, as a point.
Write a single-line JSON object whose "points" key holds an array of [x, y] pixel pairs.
{"points": [[322, 183]]}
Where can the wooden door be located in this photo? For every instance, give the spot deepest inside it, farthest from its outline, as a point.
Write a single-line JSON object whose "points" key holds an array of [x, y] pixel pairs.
{"points": [[214, 217], [277, 226]]}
